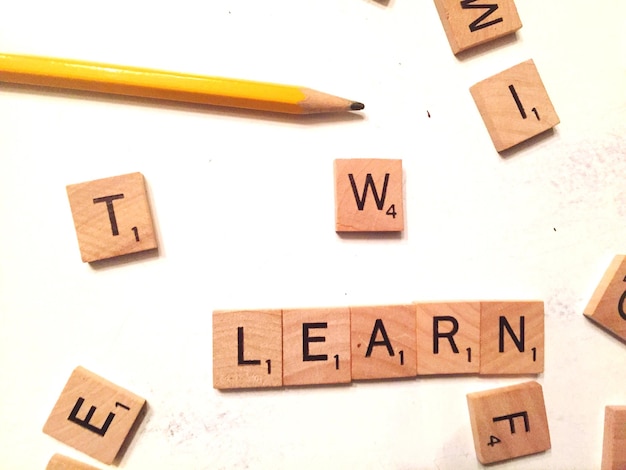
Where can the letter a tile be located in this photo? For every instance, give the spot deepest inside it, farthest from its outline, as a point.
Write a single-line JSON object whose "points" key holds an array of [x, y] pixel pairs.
{"points": [[468, 23], [368, 195], [383, 342], [316, 346], [511, 338], [112, 217], [94, 415], [448, 338], [514, 105], [614, 444], [247, 349], [607, 306], [508, 422]]}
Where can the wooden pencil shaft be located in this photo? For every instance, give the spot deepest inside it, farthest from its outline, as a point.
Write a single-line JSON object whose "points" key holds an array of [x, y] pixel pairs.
{"points": [[148, 83]]}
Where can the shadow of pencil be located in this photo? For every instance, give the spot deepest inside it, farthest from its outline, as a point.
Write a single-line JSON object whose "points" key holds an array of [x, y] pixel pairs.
{"points": [[304, 119]]}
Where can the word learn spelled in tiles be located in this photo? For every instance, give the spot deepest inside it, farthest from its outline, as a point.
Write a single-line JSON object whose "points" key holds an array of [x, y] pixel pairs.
{"points": [[273, 348], [607, 306], [94, 415], [368, 195], [112, 217], [614, 443], [468, 23], [508, 422]]}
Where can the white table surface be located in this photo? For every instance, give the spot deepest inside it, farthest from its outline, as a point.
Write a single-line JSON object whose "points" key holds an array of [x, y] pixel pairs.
{"points": [[243, 205]]}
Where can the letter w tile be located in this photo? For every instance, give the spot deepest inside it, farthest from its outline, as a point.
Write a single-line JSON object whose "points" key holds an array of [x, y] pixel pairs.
{"points": [[369, 182]]}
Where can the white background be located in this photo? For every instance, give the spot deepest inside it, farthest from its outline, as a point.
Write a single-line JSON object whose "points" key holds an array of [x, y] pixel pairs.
{"points": [[243, 205]]}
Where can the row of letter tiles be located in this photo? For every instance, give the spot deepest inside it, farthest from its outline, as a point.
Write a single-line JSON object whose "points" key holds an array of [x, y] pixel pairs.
{"points": [[313, 346], [94, 416]]}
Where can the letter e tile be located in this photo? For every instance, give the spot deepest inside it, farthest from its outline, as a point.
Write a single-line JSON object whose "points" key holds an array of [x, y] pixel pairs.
{"points": [[316, 346], [468, 24], [511, 337], [368, 195], [247, 349], [607, 306], [614, 444], [514, 105], [94, 415], [508, 422], [383, 342], [112, 217], [448, 338]]}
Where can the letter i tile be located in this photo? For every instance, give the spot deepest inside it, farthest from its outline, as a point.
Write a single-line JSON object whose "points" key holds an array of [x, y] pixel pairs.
{"points": [[514, 105], [368, 195], [94, 415], [112, 217], [509, 422], [247, 349], [468, 23], [316, 346]]}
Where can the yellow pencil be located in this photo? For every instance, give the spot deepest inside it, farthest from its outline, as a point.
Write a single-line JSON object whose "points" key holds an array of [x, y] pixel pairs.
{"points": [[147, 83]]}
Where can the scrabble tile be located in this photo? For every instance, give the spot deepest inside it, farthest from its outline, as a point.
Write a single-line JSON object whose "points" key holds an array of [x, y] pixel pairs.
{"points": [[61, 462], [112, 217], [607, 306], [316, 346], [368, 195], [468, 23], [508, 422], [614, 444], [514, 105], [448, 338], [94, 415], [247, 349], [511, 337], [383, 342]]}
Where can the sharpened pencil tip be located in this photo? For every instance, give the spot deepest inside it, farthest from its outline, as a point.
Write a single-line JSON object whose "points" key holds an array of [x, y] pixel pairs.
{"points": [[356, 106]]}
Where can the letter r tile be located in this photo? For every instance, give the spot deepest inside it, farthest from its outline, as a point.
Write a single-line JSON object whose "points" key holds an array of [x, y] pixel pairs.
{"points": [[316, 346], [508, 422], [514, 105], [247, 349], [607, 306], [369, 195], [94, 415], [468, 23], [112, 217]]}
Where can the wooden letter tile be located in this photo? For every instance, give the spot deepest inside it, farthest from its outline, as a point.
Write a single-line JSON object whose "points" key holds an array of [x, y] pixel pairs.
{"points": [[514, 105], [112, 217], [607, 306], [468, 23], [508, 422], [448, 338], [247, 349], [94, 415], [61, 462], [511, 337], [383, 342], [614, 446], [316, 346], [368, 195]]}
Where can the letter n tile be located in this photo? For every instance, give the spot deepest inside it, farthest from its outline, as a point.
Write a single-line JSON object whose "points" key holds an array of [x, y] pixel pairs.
{"points": [[368, 195], [508, 422], [94, 415], [112, 217]]}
